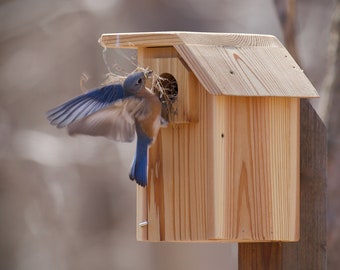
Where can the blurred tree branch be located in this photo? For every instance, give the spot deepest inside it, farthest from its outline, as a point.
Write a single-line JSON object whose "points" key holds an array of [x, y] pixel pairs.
{"points": [[331, 111], [286, 10], [331, 82]]}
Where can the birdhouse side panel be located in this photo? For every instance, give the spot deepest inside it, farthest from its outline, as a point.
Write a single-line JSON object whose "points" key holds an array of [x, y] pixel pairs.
{"points": [[174, 204]]}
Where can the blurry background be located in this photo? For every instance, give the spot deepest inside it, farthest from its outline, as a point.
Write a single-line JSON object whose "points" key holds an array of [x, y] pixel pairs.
{"points": [[67, 203]]}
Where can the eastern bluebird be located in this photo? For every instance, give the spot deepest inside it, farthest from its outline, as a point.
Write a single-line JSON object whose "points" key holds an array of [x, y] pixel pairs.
{"points": [[116, 111]]}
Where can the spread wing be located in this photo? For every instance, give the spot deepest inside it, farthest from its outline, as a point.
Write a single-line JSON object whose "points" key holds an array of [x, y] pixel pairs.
{"points": [[116, 121], [84, 105]]}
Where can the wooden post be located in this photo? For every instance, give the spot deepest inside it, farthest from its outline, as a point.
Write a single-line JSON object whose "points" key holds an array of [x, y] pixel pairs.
{"points": [[310, 251]]}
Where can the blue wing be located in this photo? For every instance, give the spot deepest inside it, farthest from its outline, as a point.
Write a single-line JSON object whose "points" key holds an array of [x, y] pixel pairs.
{"points": [[116, 121], [84, 105]]}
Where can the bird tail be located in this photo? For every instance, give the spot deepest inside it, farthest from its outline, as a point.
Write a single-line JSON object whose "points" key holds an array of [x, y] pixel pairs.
{"points": [[139, 171]]}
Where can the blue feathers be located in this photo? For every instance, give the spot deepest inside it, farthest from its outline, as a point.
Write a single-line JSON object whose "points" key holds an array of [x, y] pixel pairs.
{"points": [[117, 112], [139, 166], [84, 105]]}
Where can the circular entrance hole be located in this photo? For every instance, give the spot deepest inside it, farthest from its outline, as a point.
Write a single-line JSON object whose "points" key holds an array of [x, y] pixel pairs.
{"points": [[167, 89]]}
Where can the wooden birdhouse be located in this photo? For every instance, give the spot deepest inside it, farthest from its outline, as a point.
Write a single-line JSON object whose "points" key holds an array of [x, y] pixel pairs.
{"points": [[227, 166]]}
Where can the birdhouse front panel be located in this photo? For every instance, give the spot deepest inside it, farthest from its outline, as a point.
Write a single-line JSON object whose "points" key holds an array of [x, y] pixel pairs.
{"points": [[254, 164], [231, 176], [226, 168]]}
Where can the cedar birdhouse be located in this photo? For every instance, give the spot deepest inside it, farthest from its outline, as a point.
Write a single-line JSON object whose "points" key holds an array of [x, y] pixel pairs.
{"points": [[226, 168]]}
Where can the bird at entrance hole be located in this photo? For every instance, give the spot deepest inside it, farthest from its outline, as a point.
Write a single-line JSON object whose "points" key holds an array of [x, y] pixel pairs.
{"points": [[117, 111]]}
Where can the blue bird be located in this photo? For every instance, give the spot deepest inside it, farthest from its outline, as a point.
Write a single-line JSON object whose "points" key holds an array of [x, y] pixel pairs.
{"points": [[118, 112]]}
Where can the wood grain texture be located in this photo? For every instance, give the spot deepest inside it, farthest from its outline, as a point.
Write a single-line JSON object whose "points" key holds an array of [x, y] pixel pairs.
{"points": [[159, 39], [255, 167], [176, 196], [228, 64], [231, 176], [247, 71], [310, 252]]}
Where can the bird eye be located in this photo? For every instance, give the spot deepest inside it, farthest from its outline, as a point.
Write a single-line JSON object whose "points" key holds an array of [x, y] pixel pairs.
{"points": [[139, 81]]}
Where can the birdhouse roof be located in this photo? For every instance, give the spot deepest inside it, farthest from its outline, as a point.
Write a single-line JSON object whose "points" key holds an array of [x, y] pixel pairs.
{"points": [[228, 64]]}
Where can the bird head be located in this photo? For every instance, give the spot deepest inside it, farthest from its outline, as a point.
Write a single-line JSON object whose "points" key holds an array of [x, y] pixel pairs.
{"points": [[136, 81]]}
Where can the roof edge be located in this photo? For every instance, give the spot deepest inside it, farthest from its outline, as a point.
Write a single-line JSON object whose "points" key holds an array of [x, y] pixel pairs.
{"points": [[171, 38]]}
